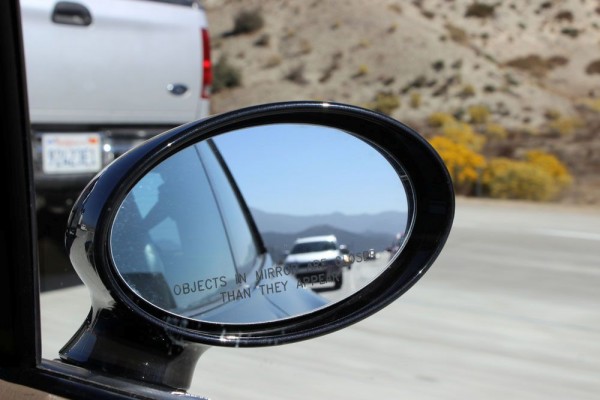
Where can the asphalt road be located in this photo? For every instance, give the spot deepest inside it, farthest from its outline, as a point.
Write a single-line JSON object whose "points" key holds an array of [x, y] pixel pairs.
{"points": [[511, 309]]}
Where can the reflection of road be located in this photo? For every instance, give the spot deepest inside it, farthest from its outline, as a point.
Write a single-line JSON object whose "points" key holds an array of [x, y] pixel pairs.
{"points": [[510, 310], [357, 277]]}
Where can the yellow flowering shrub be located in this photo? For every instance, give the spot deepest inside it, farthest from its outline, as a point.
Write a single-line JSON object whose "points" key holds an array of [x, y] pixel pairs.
{"points": [[495, 131], [478, 114], [540, 177], [512, 179], [552, 165], [463, 134], [565, 126], [462, 162], [438, 119]]}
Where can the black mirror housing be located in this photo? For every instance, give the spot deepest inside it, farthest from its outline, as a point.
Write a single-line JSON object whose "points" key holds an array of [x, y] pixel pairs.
{"points": [[125, 330]]}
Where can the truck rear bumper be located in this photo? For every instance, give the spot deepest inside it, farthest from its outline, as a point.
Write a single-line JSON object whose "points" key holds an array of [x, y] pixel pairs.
{"points": [[58, 190]]}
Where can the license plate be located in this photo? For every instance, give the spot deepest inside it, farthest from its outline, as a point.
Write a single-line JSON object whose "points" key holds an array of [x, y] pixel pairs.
{"points": [[71, 153]]}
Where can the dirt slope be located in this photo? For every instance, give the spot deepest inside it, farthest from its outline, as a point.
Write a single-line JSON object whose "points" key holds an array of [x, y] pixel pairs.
{"points": [[528, 62]]}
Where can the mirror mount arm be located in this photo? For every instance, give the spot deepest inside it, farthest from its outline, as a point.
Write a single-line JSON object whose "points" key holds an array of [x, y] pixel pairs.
{"points": [[116, 343]]}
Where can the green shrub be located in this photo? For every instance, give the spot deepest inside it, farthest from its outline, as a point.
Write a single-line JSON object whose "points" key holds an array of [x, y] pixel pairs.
{"points": [[467, 91], [478, 114], [385, 102], [225, 75], [296, 75], [565, 126], [593, 67], [362, 70], [438, 65], [363, 44], [333, 66], [305, 47], [428, 14], [438, 119], [557, 61], [532, 63], [564, 15], [396, 8], [263, 40], [571, 32], [480, 10], [591, 104], [273, 61], [415, 100], [552, 114], [457, 34], [247, 21]]}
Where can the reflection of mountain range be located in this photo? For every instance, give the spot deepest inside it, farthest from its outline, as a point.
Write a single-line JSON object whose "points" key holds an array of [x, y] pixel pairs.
{"points": [[389, 222], [358, 232]]}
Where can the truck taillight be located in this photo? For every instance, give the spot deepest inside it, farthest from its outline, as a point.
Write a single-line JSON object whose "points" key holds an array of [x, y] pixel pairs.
{"points": [[207, 75]]}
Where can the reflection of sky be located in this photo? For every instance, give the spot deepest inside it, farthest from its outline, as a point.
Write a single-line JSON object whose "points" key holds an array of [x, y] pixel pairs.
{"points": [[306, 170], [145, 192]]}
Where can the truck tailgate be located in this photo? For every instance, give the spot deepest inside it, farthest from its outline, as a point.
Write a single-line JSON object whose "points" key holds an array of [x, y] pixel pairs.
{"points": [[128, 66]]}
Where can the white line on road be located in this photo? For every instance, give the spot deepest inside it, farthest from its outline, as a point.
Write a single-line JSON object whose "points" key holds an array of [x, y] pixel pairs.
{"points": [[540, 231], [568, 234]]}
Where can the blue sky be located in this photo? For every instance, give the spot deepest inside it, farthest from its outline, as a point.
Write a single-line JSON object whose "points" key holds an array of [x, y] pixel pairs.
{"points": [[299, 169]]}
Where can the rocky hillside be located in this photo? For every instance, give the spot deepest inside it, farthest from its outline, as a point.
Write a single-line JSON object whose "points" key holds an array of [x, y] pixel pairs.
{"points": [[535, 65]]}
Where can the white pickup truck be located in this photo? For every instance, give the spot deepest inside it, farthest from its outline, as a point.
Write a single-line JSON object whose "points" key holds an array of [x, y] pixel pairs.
{"points": [[104, 75]]}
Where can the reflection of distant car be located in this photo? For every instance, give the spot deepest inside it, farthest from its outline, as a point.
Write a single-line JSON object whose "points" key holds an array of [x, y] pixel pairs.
{"points": [[317, 260], [344, 249], [370, 255]]}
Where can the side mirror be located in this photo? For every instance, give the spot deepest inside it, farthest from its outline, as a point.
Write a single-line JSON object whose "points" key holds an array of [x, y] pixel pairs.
{"points": [[176, 240]]}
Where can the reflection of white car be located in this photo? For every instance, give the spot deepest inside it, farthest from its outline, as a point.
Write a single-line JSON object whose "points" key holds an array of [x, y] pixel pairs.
{"points": [[317, 260]]}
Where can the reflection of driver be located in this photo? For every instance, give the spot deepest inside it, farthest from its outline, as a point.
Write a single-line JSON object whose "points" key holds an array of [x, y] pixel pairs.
{"points": [[173, 203], [137, 257], [147, 262], [161, 209]]}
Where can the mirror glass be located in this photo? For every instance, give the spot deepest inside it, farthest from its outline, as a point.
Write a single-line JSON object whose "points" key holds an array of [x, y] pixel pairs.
{"points": [[261, 223]]}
